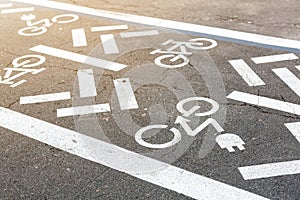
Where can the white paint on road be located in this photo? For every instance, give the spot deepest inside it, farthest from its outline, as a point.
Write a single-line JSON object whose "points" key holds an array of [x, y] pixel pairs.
{"points": [[294, 128], [288, 78], [6, 5], [117, 158], [125, 94], [96, 62], [86, 81], [298, 67], [270, 170], [109, 44], [18, 83], [138, 34], [265, 102], [109, 28], [79, 37], [17, 10], [235, 36], [83, 110], [274, 58], [244, 70], [45, 98]]}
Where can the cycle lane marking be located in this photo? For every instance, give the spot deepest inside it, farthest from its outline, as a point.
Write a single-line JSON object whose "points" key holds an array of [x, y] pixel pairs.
{"points": [[79, 37], [217, 33], [168, 176], [45, 98], [274, 58], [17, 10], [83, 110]]}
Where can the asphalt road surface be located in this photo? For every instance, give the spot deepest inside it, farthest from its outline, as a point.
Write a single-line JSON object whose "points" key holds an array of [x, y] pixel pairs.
{"points": [[150, 99]]}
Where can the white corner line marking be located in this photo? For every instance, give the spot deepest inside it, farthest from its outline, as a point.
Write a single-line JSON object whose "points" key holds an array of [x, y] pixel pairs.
{"points": [[182, 26], [294, 128], [274, 58], [117, 158], [270, 170], [79, 37], [86, 81], [265, 102], [138, 34], [96, 62], [83, 110], [244, 70], [109, 28], [292, 81], [125, 94], [17, 10], [6, 5], [45, 98]]}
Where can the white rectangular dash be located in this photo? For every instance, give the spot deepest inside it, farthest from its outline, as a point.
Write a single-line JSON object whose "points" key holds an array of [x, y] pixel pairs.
{"points": [[83, 110], [17, 10], [288, 78], [294, 128], [265, 102], [270, 170], [274, 58], [109, 28], [138, 34], [109, 44], [45, 98], [96, 62], [125, 94], [6, 5], [86, 81], [244, 70], [79, 37]]}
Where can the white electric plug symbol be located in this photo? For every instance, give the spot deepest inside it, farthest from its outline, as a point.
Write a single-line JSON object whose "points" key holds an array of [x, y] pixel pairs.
{"points": [[229, 140]]}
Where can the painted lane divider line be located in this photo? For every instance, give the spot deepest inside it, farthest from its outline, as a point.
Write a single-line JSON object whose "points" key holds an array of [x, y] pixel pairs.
{"points": [[217, 33], [125, 94], [79, 37], [17, 10], [265, 102], [109, 28], [294, 128], [6, 5], [45, 98], [270, 170], [109, 44], [87, 85], [274, 58], [117, 158], [83, 110], [288, 78], [244, 70], [96, 62], [138, 34]]}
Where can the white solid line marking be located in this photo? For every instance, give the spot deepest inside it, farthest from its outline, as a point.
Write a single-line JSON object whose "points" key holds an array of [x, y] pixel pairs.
{"points": [[109, 28], [270, 170], [274, 58], [86, 81], [6, 5], [138, 34], [83, 110], [251, 78], [125, 94], [17, 10], [117, 158], [265, 102], [96, 62], [109, 44], [235, 36], [45, 98], [79, 38], [288, 78], [294, 128]]}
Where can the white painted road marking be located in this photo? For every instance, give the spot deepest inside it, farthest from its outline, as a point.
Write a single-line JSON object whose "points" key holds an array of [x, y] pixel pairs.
{"points": [[45, 98], [265, 102], [6, 5], [125, 94], [87, 85], [298, 67], [109, 44], [294, 128], [78, 37], [131, 163], [83, 110], [18, 83], [17, 10], [288, 78], [244, 70], [270, 170], [96, 62], [138, 34], [225, 34], [109, 28], [274, 58]]}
